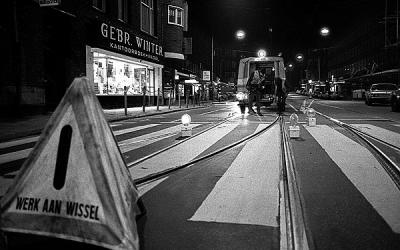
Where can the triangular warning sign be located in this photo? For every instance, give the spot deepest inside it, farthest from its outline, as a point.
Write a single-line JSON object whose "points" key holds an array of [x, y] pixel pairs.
{"points": [[75, 184]]}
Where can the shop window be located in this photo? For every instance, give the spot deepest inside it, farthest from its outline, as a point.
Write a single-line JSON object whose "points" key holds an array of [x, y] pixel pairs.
{"points": [[175, 15], [147, 16], [123, 10], [112, 75], [99, 4]]}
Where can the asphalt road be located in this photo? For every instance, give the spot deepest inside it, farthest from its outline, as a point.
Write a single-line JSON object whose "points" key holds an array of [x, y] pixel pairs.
{"points": [[231, 200]]}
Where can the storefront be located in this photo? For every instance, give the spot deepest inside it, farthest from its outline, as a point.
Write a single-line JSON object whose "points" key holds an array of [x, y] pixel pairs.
{"points": [[118, 59]]}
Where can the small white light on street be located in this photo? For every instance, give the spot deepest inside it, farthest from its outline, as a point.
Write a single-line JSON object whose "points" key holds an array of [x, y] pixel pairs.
{"points": [[186, 130], [186, 119], [312, 121], [294, 129]]}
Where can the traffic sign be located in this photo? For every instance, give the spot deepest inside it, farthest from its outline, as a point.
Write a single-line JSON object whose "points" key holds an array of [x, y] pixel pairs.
{"points": [[75, 184], [206, 75]]}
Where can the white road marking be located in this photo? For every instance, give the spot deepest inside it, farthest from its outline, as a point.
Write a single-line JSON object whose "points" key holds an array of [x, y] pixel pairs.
{"points": [[248, 193], [14, 156], [396, 125], [363, 170], [18, 142], [381, 133], [330, 106], [132, 129], [214, 111], [147, 187], [141, 141], [181, 154]]}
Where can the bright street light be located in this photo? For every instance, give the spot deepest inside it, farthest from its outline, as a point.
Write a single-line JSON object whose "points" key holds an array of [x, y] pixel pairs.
{"points": [[324, 31], [240, 34], [262, 53], [299, 57], [290, 65]]}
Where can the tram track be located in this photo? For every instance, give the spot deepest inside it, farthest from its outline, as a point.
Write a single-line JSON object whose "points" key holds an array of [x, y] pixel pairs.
{"points": [[292, 223], [389, 165]]}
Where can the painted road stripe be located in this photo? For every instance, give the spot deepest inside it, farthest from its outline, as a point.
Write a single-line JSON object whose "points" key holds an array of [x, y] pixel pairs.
{"points": [[14, 156], [129, 130], [363, 170], [141, 141], [18, 142], [248, 192], [381, 133], [147, 187], [182, 153], [21, 154]]}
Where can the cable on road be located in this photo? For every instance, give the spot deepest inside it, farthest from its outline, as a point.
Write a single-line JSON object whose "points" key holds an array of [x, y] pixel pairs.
{"points": [[161, 174]]}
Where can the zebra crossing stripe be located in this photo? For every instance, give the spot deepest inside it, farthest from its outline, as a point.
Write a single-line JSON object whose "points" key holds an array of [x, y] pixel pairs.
{"points": [[363, 170], [133, 129], [183, 153], [18, 142], [141, 141], [248, 192], [14, 156]]}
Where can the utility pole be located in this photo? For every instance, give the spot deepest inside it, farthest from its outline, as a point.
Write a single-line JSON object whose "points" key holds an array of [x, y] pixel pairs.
{"points": [[212, 64]]}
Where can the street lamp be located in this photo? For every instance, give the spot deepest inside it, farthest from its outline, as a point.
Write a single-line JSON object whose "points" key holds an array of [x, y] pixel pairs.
{"points": [[240, 34], [324, 31], [299, 57]]}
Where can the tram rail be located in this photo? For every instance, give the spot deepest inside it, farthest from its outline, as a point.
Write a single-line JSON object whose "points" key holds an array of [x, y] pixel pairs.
{"points": [[293, 229], [390, 166]]}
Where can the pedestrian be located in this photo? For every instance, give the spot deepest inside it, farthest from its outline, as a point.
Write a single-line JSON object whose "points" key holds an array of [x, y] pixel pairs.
{"points": [[254, 86]]}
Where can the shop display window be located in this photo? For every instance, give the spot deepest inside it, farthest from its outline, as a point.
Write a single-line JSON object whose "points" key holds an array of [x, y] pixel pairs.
{"points": [[111, 75]]}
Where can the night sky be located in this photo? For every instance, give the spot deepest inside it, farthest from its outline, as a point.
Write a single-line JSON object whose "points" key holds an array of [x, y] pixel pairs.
{"points": [[295, 24]]}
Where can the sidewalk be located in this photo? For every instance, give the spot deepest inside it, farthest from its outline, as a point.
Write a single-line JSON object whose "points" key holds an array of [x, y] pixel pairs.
{"points": [[12, 128]]}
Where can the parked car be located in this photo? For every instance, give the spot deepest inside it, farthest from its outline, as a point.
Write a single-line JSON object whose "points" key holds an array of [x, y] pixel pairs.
{"points": [[395, 100], [380, 92]]}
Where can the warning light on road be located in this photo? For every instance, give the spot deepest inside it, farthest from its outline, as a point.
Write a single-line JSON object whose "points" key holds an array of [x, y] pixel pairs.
{"points": [[312, 121], [186, 130], [294, 129]]}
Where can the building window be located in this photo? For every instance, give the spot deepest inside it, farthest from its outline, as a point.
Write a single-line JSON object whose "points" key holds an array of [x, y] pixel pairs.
{"points": [[147, 16], [123, 10], [100, 5], [175, 15]]}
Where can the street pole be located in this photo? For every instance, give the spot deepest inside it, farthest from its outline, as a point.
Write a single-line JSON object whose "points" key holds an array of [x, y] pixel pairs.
{"points": [[125, 100], [319, 67], [212, 64], [144, 99], [158, 99]]}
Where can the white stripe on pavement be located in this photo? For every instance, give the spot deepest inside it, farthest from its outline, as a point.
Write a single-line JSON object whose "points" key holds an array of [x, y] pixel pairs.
{"points": [[18, 142], [248, 193], [141, 141], [147, 187], [129, 130], [14, 156], [363, 170], [182, 153], [380, 133]]}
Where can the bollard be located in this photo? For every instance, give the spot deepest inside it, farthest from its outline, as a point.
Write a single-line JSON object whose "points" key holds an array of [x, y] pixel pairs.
{"points": [[144, 99], [158, 99], [169, 99], [125, 100], [179, 98]]}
